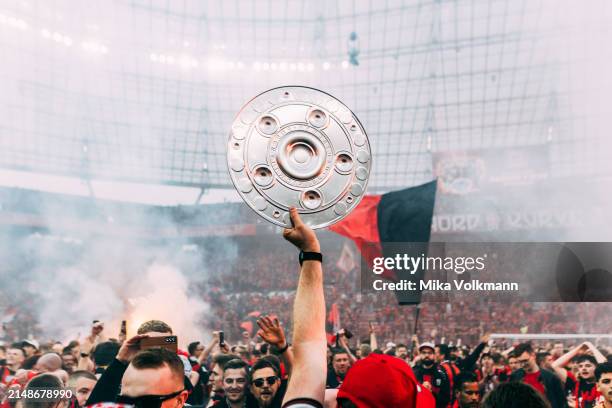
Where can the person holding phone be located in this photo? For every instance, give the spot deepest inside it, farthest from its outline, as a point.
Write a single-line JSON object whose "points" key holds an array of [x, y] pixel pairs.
{"points": [[110, 382]]}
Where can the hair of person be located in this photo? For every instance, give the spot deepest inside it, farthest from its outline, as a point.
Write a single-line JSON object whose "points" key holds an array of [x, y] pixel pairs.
{"points": [[3, 348], [154, 326], [73, 344], [236, 364], [157, 358], [603, 368], [463, 378], [264, 348], [497, 358], [18, 347], [522, 348], [401, 345], [541, 356], [105, 352], [192, 347], [444, 350], [264, 363], [337, 350], [365, 350], [274, 360], [586, 357], [485, 355], [46, 382], [30, 362], [515, 395], [82, 374], [223, 359]]}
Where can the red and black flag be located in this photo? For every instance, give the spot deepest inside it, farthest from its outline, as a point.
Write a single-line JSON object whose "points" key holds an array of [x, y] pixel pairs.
{"points": [[332, 325], [380, 223]]}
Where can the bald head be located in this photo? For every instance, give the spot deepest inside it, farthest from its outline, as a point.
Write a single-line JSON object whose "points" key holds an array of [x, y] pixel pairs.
{"points": [[49, 362]]}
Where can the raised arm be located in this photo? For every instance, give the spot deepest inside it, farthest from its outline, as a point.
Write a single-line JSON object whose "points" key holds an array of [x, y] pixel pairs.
{"points": [[309, 341], [373, 341], [596, 353], [272, 333], [343, 343], [209, 348]]}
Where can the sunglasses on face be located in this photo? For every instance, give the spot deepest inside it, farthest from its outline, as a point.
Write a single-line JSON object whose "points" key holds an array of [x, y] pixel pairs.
{"points": [[147, 401], [259, 382]]}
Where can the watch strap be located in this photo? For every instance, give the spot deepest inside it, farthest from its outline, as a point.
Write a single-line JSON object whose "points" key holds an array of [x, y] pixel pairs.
{"points": [[310, 256]]}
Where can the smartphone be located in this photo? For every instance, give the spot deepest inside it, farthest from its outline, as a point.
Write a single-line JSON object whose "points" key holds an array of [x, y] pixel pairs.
{"points": [[124, 327], [221, 338], [170, 343]]}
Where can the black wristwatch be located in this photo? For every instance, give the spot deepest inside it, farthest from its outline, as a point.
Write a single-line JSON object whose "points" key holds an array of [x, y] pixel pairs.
{"points": [[310, 256]]}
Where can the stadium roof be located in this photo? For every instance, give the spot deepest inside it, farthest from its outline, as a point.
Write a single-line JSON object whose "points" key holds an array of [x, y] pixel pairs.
{"points": [[145, 90]]}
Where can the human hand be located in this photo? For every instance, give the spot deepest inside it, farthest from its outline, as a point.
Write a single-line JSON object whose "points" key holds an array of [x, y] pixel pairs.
{"points": [[300, 234], [271, 331], [129, 348]]}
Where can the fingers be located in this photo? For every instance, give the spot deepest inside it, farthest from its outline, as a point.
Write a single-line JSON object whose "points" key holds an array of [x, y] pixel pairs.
{"points": [[136, 339], [296, 221], [276, 322], [264, 323]]}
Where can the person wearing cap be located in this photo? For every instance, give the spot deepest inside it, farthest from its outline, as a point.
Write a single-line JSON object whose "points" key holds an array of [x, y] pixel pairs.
{"points": [[30, 347], [432, 376], [380, 381]]}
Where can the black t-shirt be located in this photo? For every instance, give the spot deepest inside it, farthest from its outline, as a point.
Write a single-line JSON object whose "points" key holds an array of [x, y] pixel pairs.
{"points": [[333, 379]]}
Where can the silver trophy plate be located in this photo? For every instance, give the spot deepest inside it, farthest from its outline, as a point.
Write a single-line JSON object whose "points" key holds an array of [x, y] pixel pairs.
{"points": [[299, 147]]}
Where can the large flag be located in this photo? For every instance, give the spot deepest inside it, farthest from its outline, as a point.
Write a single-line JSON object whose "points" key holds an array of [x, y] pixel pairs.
{"points": [[402, 216]]}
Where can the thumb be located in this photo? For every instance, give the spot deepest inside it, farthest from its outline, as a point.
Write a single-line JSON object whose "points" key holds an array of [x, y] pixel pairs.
{"points": [[296, 221]]}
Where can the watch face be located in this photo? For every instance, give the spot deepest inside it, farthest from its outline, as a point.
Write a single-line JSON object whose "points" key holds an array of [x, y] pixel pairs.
{"points": [[299, 147]]}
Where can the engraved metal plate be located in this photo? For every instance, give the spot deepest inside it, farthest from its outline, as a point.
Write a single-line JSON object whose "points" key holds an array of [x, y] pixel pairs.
{"points": [[301, 147]]}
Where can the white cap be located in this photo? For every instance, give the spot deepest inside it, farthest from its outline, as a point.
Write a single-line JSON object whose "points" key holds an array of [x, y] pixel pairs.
{"points": [[427, 344], [28, 342]]}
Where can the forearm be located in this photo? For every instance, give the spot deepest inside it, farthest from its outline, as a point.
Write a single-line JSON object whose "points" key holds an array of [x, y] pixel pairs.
{"points": [[309, 305], [598, 355], [373, 341], [346, 348], [309, 365], [564, 359], [469, 362], [206, 352], [107, 387], [287, 359]]}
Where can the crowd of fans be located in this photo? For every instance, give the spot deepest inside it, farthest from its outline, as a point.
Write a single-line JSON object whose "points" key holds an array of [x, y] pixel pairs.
{"points": [[377, 363], [254, 372]]}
